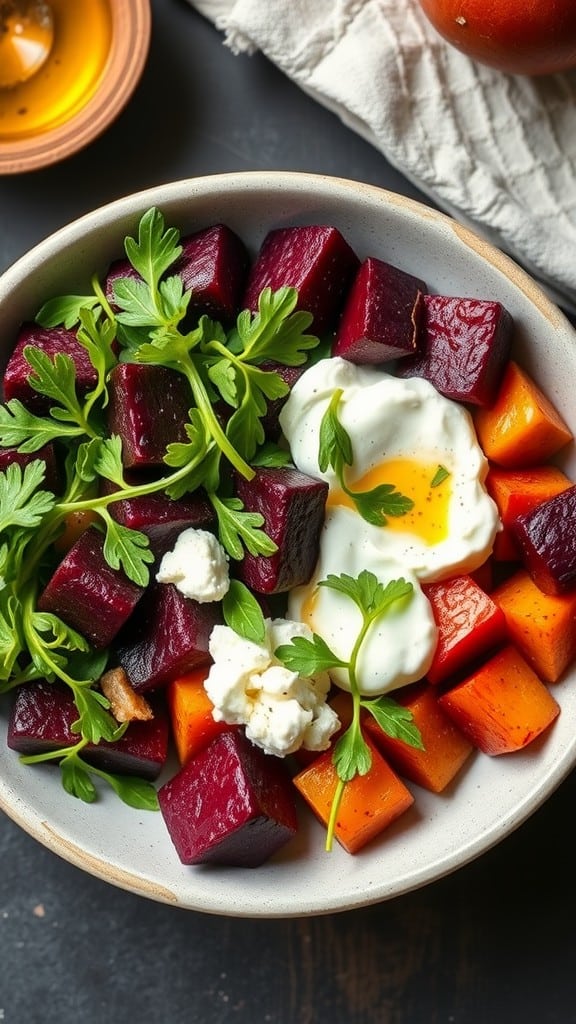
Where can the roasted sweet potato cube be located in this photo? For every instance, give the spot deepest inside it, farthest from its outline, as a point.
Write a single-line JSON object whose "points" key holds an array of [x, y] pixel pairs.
{"points": [[42, 716], [382, 315], [543, 626], [51, 341], [148, 409], [502, 706], [370, 803], [446, 748], [190, 710], [292, 504], [88, 594], [167, 638], [315, 259], [517, 491], [230, 804], [465, 347], [547, 540]]}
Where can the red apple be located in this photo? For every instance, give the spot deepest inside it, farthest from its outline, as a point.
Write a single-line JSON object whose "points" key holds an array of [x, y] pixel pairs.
{"points": [[525, 37]]}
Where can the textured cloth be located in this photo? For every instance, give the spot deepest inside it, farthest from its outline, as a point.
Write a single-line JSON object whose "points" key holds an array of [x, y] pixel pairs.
{"points": [[496, 151]]}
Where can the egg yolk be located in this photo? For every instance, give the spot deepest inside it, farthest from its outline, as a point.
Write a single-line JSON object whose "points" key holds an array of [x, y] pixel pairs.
{"points": [[429, 517]]}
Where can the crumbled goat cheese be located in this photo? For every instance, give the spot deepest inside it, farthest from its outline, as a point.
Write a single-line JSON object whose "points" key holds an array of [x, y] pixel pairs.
{"points": [[197, 566], [281, 710]]}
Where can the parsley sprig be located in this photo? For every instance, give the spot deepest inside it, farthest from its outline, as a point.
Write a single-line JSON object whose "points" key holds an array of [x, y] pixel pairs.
{"points": [[351, 755], [335, 452]]}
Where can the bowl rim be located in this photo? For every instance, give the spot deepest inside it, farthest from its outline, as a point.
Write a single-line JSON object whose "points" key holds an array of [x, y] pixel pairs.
{"points": [[237, 185], [131, 26]]}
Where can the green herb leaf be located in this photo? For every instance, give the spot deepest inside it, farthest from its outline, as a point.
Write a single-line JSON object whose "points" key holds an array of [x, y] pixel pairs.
{"points": [[335, 446], [307, 657], [376, 505], [270, 456], [243, 613], [134, 792], [76, 780], [238, 529], [275, 332], [440, 476], [65, 309], [21, 503], [22, 429], [351, 755], [395, 720], [127, 549], [156, 249]]}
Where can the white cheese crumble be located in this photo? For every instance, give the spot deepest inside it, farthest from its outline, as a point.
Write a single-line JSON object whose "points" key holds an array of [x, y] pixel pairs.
{"points": [[197, 566], [281, 710]]}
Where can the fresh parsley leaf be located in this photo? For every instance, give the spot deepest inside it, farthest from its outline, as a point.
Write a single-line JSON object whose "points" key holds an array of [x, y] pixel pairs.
{"points": [[395, 720], [377, 505], [156, 248], [65, 309], [21, 503], [351, 755], [270, 456], [127, 549], [440, 476], [335, 446], [308, 656], [22, 429], [275, 332], [243, 613], [238, 529], [56, 378], [76, 779]]}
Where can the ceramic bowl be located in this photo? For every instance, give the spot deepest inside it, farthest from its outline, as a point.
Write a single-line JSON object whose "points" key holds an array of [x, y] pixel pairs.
{"points": [[87, 96], [492, 796]]}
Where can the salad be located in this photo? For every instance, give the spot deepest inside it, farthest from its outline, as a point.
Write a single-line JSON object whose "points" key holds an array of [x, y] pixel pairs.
{"points": [[330, 637]]}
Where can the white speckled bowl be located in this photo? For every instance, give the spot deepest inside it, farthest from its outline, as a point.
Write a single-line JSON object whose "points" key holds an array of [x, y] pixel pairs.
{"points": [[492, 796]]}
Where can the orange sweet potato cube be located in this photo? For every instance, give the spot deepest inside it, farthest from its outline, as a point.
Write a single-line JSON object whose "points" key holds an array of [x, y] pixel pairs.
{"points": [[190, 710], [369, 802], [522, 427], [502, 706], [542, 626], [446, 749]]}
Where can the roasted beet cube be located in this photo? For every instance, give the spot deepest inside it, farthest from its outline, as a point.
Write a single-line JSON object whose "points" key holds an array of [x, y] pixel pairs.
{"points": [[231, 804], [547, 540], [316, 260], [41, 719], [466, 344], [51, 340], [292, 505], [46, 454], [148, 408], [166, 638], [163, 519], [88, 594], [214, 267], [382, 316]]}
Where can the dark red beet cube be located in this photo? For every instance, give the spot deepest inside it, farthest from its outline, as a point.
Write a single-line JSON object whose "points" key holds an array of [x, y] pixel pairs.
{"points": [[466, 344], [231, 804], [51, 340], [47, 454], [41, 719], [166, 638], [292, 504], [88, 594], [316, 260], [163, 519], [213, 266], [382, 316], [148, 409], [547, 540]]}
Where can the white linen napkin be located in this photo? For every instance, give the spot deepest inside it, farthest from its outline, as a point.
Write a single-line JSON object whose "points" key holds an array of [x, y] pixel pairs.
{"points": [[496, 151]]}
